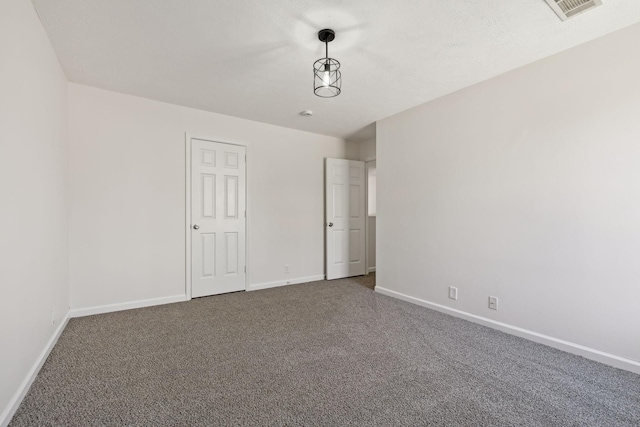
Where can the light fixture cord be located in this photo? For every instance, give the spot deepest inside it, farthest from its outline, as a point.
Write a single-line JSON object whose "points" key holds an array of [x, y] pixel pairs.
{"points": [[326, 48]]}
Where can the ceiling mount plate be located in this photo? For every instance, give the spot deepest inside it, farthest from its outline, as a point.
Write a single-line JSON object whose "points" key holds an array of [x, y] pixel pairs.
{"points": [[326, 35]]}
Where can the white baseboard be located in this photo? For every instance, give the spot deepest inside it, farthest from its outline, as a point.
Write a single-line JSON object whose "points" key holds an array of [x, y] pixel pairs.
{"points": [[372, 269], [580, 350], [275, 284], [109, 308], [14, 403]]}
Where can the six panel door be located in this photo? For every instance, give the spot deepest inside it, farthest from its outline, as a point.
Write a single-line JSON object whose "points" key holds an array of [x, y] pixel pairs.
{"points": [[218, 217], [345, 215]]}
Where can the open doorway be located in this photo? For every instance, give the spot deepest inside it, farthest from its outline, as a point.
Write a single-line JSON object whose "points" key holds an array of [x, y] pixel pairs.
{"points": [[372, 177]]}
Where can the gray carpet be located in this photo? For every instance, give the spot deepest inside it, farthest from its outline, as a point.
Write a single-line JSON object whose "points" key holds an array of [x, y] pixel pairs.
{"points": [[324, 353]]}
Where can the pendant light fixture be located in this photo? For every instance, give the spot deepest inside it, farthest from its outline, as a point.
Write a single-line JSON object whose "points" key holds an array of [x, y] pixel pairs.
{"points": [[327, 80]]}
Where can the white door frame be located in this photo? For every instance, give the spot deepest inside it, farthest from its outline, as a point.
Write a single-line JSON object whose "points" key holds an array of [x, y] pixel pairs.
{"points": [[367, 161], [187, 217]]}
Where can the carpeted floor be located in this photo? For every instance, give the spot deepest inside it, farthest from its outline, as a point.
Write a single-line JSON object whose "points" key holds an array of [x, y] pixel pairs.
{"points": [[324, 353], [368, 281]]}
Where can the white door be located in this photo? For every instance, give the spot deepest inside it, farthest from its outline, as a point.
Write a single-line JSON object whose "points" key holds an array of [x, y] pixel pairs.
{"points": [[218, 216], [345, 215]]}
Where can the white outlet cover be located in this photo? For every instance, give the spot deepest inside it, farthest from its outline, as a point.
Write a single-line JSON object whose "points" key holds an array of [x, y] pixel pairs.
{"points": [[453, 292]]}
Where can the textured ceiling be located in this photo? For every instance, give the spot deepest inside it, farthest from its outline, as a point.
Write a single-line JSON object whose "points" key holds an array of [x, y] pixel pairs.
{"points": [[253, 58]]}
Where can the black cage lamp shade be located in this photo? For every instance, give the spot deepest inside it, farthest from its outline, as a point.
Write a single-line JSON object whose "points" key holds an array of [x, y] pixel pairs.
{"points": [[327, 79]]}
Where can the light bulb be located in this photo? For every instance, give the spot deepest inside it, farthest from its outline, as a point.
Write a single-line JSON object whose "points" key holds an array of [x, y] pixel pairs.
{"points": [[326, 76]]}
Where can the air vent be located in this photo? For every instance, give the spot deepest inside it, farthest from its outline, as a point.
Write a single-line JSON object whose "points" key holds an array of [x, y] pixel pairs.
{"points": [[566, 9]]}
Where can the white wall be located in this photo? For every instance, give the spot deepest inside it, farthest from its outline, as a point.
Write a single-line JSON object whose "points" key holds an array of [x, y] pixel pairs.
{"points": [[361, 150], [33, 191], [352, 150], [367, 149], [526, 187], [128, 196]]}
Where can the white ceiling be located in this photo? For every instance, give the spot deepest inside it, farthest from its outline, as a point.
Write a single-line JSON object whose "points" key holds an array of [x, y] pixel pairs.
{"points": [[253, 58]]}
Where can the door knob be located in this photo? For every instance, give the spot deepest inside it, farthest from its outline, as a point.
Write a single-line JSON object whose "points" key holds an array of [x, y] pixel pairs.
{"points": [[330, 224], [196, 226]]}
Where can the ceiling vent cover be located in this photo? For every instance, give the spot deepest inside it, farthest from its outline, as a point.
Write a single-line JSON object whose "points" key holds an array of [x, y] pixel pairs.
{"points": [[566, 9]]}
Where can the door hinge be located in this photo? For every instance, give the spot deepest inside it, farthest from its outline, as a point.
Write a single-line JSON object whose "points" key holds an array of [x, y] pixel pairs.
{"points": [[245, 214], [245, 158], [245, 268]]}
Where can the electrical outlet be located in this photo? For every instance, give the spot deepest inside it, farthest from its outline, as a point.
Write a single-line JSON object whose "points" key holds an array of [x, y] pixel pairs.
{"points": [[493, 303], [286, 269], [453, 292]]}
